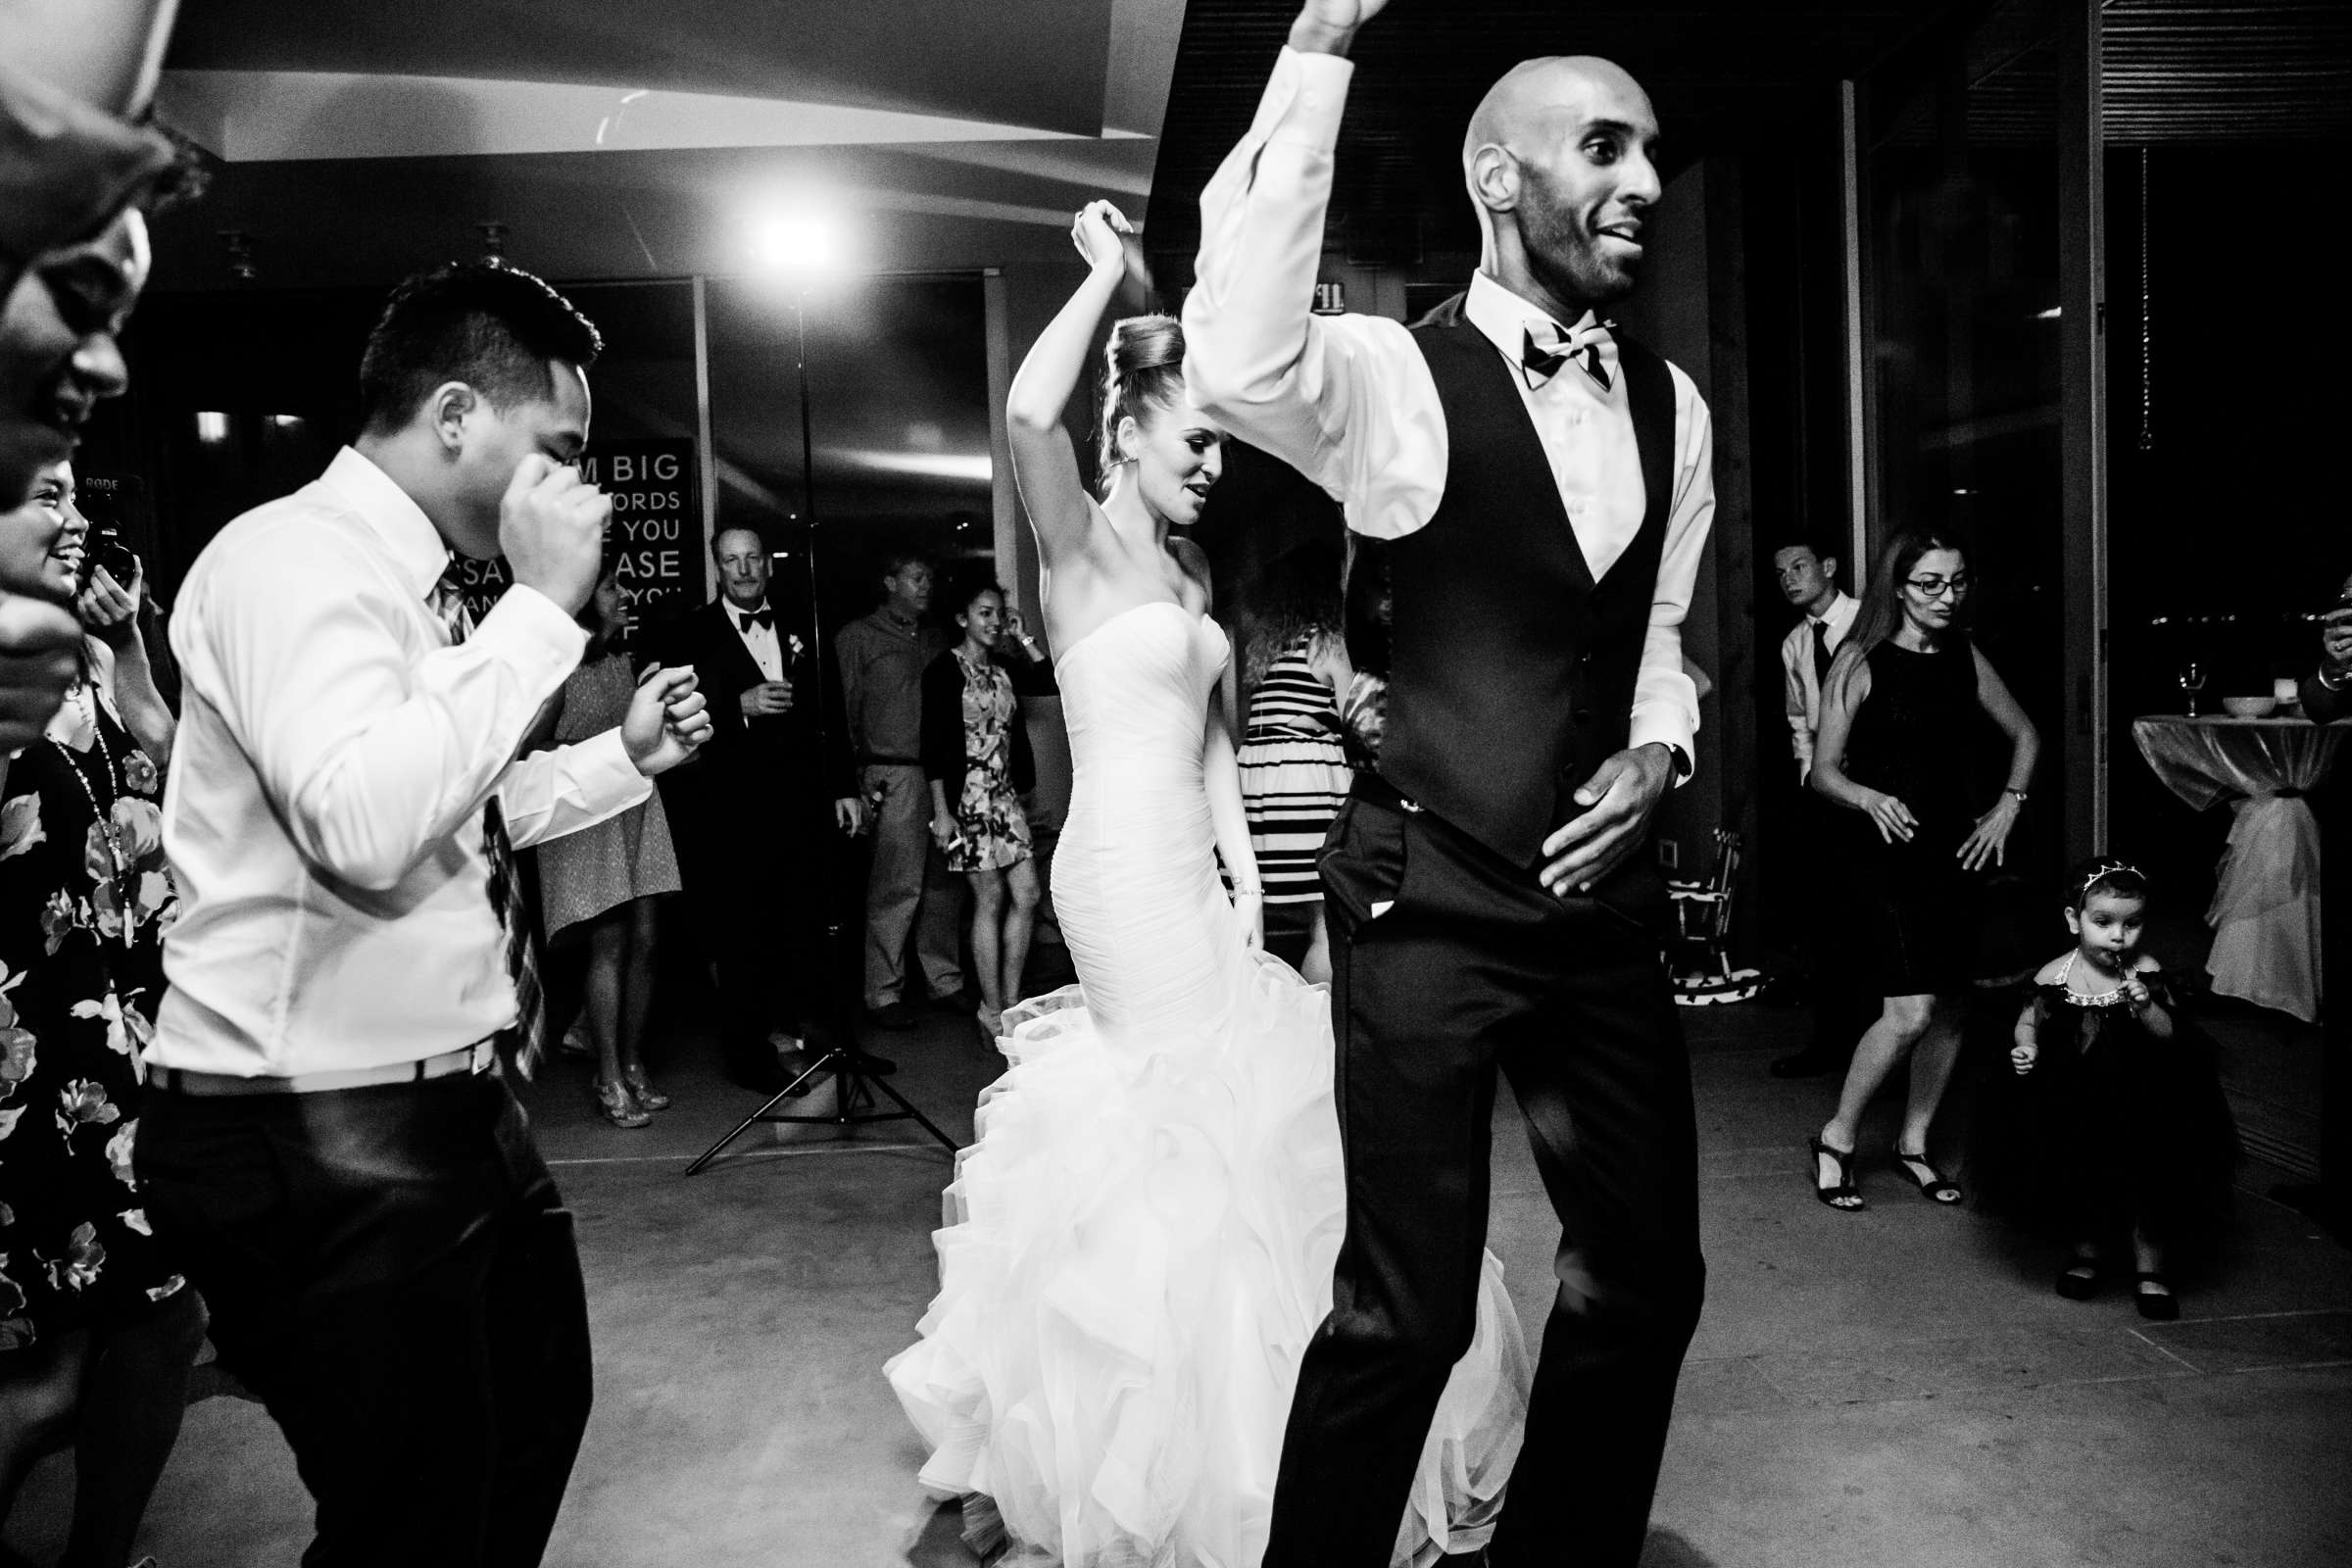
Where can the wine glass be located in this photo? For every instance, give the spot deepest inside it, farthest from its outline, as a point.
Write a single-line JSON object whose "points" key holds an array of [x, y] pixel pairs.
{"points": [[2192, 681]]}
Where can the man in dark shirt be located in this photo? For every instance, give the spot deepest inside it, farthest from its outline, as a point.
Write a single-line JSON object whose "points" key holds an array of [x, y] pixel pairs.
{"points": [[883, 655]]}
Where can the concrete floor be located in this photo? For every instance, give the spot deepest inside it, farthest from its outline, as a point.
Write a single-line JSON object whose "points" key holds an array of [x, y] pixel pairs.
{"points": [[1897, 1389]]}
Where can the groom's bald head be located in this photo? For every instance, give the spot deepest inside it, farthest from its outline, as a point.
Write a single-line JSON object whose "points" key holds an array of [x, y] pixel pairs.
{"points": [[1558, 164]]}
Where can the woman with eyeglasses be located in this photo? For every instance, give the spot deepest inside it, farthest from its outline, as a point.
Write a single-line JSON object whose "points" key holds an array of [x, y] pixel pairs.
{"points": [[1898, 746]]}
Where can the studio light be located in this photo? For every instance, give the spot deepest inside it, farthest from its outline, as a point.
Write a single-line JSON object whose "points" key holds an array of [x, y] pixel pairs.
{"points": [[798, 245]]}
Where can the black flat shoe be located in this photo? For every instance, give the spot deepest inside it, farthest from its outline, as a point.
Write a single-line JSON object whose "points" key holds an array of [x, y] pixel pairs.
{"points": [[1844, 1196], [2080, 1281], [2160, 1304], [1940, 1187]]}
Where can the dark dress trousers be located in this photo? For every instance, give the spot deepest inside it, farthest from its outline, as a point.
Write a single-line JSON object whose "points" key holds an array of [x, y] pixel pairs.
{"points": [[751, 819], [1510, 677]]}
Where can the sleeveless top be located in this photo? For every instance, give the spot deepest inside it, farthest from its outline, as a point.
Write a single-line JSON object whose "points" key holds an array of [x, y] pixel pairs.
{"points": [[1915, 734]]}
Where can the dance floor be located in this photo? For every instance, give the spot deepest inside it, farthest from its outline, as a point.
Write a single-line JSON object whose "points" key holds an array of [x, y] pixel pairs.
{"points": [[1898, 1389]]}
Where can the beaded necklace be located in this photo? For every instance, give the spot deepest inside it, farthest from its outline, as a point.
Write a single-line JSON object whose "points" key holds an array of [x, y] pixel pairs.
{"points": [[87, 709], [2104, 999]]}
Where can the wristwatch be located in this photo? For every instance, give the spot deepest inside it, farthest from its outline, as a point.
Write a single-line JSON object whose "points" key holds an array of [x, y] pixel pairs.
{"points": [[2020, 793]]}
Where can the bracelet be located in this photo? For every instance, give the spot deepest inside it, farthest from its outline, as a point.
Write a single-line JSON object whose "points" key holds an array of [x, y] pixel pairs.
{"points": [[1258, 892]]}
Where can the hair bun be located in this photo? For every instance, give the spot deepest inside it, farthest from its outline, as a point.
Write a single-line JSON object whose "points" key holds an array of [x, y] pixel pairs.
{"points": [[1143, 370], [1141, 343]]}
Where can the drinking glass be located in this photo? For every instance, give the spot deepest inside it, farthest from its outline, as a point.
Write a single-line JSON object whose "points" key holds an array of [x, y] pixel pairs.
{"points": [[2192, 681]]}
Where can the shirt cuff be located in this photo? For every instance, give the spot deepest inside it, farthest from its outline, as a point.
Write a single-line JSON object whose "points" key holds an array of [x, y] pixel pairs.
{"points": [[530, 631], [1663, 724], [603, 777], [1306, 98]]}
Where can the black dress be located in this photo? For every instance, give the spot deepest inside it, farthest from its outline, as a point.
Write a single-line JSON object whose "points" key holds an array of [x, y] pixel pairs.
{"points": [[1914, 736], [85, 897], [2113, 1127]]}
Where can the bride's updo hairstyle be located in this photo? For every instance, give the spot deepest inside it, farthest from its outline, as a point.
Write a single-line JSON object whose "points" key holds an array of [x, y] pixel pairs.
{"points": [[1142, 371]]}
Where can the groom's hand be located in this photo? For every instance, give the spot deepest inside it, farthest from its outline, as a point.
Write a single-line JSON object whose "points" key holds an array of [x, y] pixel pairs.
{"points": [[1328, 27], [1622, 792]]}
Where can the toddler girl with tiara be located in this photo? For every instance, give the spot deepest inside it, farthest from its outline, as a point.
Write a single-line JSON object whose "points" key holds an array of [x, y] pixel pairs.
{"points": [[2110, 1123]]}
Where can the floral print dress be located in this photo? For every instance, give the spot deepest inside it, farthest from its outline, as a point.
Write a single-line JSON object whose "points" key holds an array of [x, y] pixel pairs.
{"points": [[993, 833], [85, 899]]}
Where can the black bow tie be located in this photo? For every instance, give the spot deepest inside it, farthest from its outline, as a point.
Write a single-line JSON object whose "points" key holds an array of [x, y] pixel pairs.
{"points": [[1582, 345], [756, 618]]}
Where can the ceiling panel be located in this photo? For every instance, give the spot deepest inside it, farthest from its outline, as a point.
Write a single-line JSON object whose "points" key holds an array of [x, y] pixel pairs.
{"points": [[1037, 63]]}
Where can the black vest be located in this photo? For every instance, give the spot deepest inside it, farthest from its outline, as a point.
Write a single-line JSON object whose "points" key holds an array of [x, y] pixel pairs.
{"points": [[1509, 671]]}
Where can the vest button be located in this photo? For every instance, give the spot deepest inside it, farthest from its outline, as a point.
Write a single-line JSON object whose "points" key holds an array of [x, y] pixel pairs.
{"points": [[1582, 715]]}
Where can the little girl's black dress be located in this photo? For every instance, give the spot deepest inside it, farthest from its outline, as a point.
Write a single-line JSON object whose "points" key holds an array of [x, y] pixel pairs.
{"points": [[2114, 1127]]}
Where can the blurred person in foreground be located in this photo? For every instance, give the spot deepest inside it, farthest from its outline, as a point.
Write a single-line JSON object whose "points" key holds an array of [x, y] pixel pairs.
{"points": [[72, 257], [326, 1148]]}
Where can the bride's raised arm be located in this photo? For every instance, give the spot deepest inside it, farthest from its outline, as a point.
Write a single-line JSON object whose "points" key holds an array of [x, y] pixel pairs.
{"points": [[1044, 465]]}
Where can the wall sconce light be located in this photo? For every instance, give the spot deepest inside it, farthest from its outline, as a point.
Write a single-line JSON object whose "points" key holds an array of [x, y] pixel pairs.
{"points": [[494, 241], [211, 427]]}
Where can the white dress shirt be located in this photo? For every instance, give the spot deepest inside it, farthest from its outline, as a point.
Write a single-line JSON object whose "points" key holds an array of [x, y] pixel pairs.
{"points": [[1349, 400], [1802, 689], [324, 813], [759, 641]]}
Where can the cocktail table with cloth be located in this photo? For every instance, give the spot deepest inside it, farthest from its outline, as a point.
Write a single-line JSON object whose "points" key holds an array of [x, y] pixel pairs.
{"points": [[2266, 910]]}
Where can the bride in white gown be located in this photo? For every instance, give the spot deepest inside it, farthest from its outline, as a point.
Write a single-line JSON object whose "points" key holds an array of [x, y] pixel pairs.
{"points": [[1141, 1238]]}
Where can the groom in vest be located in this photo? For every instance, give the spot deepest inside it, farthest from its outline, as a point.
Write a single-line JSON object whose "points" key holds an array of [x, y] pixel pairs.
{"points": [[1528, 497]]}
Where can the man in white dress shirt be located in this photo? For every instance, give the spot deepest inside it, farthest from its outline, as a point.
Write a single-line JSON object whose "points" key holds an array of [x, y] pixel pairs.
{"points": [[1528, 497], [1808, 580], [353, 1190]]}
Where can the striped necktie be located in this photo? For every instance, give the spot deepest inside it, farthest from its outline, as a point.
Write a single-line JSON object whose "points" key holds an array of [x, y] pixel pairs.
{"points": [[510, 900]]}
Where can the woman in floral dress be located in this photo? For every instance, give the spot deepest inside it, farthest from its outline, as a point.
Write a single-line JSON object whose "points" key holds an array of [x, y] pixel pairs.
{"points": [[977, 755], [97, 1329]]}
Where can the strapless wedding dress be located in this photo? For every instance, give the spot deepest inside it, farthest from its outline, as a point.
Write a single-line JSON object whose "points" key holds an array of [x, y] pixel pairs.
{"points": [[1139, 1240]]}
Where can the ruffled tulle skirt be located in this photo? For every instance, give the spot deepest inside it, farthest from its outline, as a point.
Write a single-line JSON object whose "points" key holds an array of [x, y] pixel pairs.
{"points": [[1137, 1246]]}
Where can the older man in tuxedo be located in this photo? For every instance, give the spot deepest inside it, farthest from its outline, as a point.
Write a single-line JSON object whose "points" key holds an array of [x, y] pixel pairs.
{"points": [[760, 820]]}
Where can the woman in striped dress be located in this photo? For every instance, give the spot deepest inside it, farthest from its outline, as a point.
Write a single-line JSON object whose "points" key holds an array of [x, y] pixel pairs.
{"points": [[1294, 772]]}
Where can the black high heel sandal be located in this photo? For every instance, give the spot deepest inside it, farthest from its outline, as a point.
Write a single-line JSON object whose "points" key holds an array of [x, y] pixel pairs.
{"points": [[1844, 1196], [2159, 1306], [1940, 1187]]}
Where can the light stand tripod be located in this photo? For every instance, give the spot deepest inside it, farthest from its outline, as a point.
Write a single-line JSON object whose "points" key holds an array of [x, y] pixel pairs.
{"points": [[854, 1082]]}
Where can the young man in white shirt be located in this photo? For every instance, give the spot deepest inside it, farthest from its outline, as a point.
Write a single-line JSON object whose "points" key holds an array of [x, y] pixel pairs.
{"points": [[324, 1146], [1529, 497], [1808, 580]]}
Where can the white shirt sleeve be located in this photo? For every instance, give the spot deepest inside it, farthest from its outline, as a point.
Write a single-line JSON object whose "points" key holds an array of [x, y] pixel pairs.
{"points": [[369, 754], [1796, 653], [1346, 400], [549, 793], [1665, 702]]}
